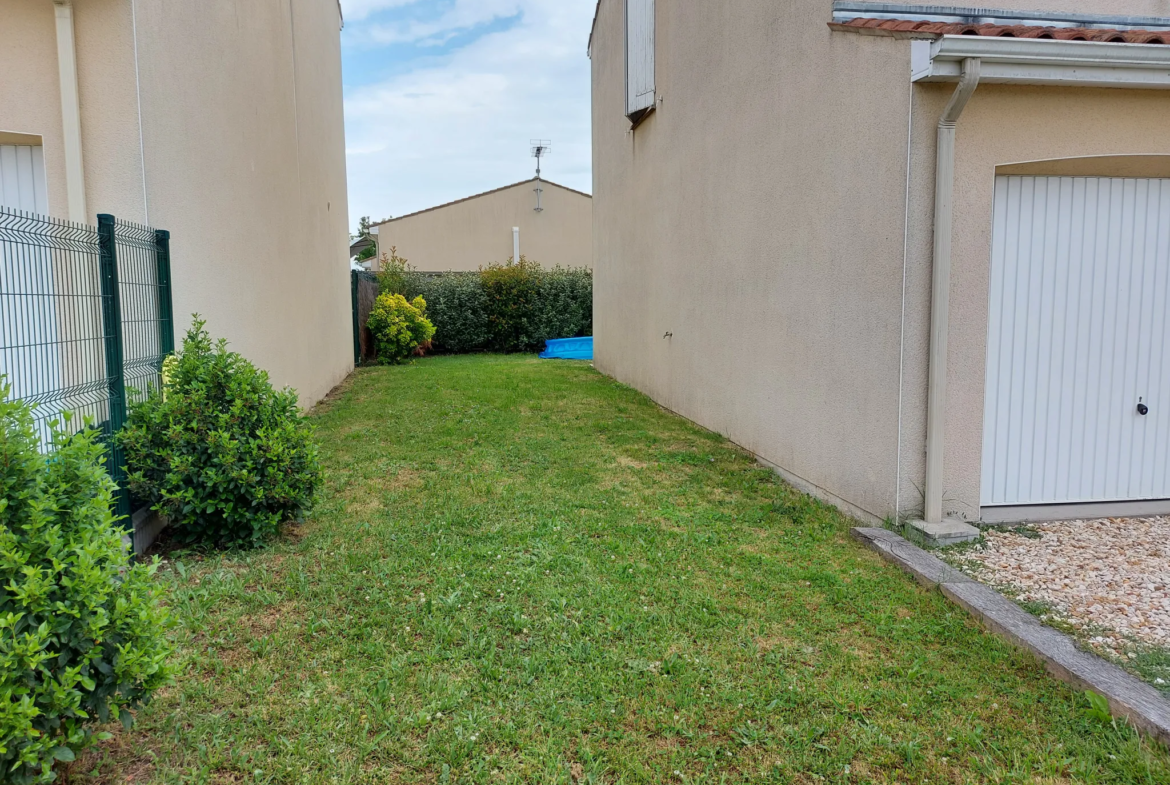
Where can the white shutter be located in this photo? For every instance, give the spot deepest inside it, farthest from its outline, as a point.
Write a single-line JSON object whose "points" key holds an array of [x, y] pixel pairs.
{"points": [[28, 317], [22, 178], [1078, 333], [639, 56]]}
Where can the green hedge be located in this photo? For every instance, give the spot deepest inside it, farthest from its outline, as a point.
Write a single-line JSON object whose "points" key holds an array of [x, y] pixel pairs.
{"points": [[456, 305], [501, 308]]}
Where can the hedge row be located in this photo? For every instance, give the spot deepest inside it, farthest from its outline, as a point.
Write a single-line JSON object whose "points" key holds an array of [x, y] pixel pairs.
{"points": [[501, 308]]}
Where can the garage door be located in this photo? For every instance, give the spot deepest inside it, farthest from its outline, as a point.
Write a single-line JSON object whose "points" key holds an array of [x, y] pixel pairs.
{"points": [[1078, 378]]}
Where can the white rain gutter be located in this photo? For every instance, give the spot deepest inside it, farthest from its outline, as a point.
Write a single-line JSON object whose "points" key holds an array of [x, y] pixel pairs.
{"points": [[975, 60], [516, 244], [1039, 61], [70, 112], [940, 299]]}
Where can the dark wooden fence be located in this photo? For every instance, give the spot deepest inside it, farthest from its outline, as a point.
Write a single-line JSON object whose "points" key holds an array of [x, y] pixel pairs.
{"points": [[364, 291]]}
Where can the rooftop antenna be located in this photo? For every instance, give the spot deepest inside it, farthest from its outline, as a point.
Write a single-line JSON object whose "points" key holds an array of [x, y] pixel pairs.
{"points": [[540, 148]]}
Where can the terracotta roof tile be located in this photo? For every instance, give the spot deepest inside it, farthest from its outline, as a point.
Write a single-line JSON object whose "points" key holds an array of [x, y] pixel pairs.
{"points": [[919, 28]]}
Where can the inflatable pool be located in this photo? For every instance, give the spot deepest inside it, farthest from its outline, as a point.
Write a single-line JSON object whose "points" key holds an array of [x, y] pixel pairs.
{"points": [[568, 349]]}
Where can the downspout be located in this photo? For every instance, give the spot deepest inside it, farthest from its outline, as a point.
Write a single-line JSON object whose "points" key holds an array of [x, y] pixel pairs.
{"points": [[70, 112], [516, 244], [941, 289], [138, 94]]}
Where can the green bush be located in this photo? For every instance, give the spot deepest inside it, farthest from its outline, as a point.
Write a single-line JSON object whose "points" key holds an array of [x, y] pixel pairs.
{"points": [[400, 328], [393, 274], [510, 307], [564, 306], [82, 632], [457, 305], [512, 291], [225, 457]]}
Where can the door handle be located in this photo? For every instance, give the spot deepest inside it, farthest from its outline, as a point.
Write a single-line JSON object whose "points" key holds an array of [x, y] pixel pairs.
{"points": [[1143, 410]]}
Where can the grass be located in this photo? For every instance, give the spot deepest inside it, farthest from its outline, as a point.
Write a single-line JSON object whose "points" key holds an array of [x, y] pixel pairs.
{"points": [[522, 571]]}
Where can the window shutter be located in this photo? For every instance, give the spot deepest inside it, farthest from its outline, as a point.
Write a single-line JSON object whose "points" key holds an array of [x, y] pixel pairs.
{"points": [[639, 56], [22, 178]]}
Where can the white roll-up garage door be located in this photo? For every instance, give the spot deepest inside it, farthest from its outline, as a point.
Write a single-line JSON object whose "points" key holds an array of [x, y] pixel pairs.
{"points": [[1078, 377]]}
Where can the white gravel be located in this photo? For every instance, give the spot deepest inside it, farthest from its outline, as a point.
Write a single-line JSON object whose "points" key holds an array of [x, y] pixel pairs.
{"points": [[1110, 575]]}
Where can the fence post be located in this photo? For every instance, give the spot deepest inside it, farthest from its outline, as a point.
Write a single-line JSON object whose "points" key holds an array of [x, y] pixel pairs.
{"points": [[357, 328], [166, 317], [115, 373]]}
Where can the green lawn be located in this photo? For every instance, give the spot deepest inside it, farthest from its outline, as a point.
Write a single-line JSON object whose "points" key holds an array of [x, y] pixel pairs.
{"points": [[521, 571]]}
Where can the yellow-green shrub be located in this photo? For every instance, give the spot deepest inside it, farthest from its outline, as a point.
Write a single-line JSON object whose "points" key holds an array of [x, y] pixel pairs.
{"points": [[400, 328]]}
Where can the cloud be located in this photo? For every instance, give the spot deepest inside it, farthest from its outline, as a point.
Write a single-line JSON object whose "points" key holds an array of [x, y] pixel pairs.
{"points": [[467, 83], [356, 10], [461, 16]]}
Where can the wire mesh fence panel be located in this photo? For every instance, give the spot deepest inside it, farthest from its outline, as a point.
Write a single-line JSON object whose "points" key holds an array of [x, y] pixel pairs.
{"points": [[52, 333], [85, 321], [140, 296]]}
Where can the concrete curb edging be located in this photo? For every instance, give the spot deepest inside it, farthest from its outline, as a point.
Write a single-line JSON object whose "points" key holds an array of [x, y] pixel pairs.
{"points": [[1128, 696]]}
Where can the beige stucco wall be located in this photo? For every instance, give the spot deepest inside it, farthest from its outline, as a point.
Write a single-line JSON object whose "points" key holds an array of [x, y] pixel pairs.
{"points": [[30, 97], [476, 232], [759, 217], [242, 135]]}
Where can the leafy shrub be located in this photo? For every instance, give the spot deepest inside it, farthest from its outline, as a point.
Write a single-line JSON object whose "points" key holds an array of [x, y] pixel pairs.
{"points": [[400, 328], [502, 308], [394, 273], [82, 632], [564, 306], [218, 451], [457, 305], [512, 290]]}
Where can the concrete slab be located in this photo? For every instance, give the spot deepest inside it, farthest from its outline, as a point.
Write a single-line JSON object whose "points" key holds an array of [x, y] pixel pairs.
{"points": [[1128, 696], [948, 532]]}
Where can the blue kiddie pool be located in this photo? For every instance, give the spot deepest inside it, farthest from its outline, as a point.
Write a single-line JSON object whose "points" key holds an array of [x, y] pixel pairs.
{"points": [[568, 349]]}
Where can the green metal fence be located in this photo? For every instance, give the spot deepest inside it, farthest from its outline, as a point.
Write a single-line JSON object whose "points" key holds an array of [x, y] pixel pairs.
{"points": [[85, 320]]}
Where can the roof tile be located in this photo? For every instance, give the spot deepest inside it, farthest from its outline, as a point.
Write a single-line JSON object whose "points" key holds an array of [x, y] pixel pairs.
{"points": [[919, 28]]}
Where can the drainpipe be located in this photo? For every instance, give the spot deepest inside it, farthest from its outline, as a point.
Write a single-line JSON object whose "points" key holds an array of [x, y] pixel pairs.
{"points": [[941, 289], [516, 244], [70, 112]]}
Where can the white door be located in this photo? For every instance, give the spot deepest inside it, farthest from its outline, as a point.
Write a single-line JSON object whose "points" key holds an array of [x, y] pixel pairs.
{"points": [[1078, 373]]}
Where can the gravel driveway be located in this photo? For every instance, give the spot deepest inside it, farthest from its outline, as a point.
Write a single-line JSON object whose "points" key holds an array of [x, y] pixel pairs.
{"points": [[1109, 577]]}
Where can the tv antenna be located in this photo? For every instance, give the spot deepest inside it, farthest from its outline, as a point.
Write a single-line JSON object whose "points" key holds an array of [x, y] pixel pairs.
{"points": [[540, 148]]}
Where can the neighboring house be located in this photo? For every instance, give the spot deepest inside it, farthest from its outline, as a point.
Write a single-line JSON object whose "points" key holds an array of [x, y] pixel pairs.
{"points": [[489, 227], [216, 120], [767, 261], [361, 245]]}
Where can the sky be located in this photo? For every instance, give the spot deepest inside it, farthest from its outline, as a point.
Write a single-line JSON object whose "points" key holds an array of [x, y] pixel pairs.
{"points": [[442, 98]]}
